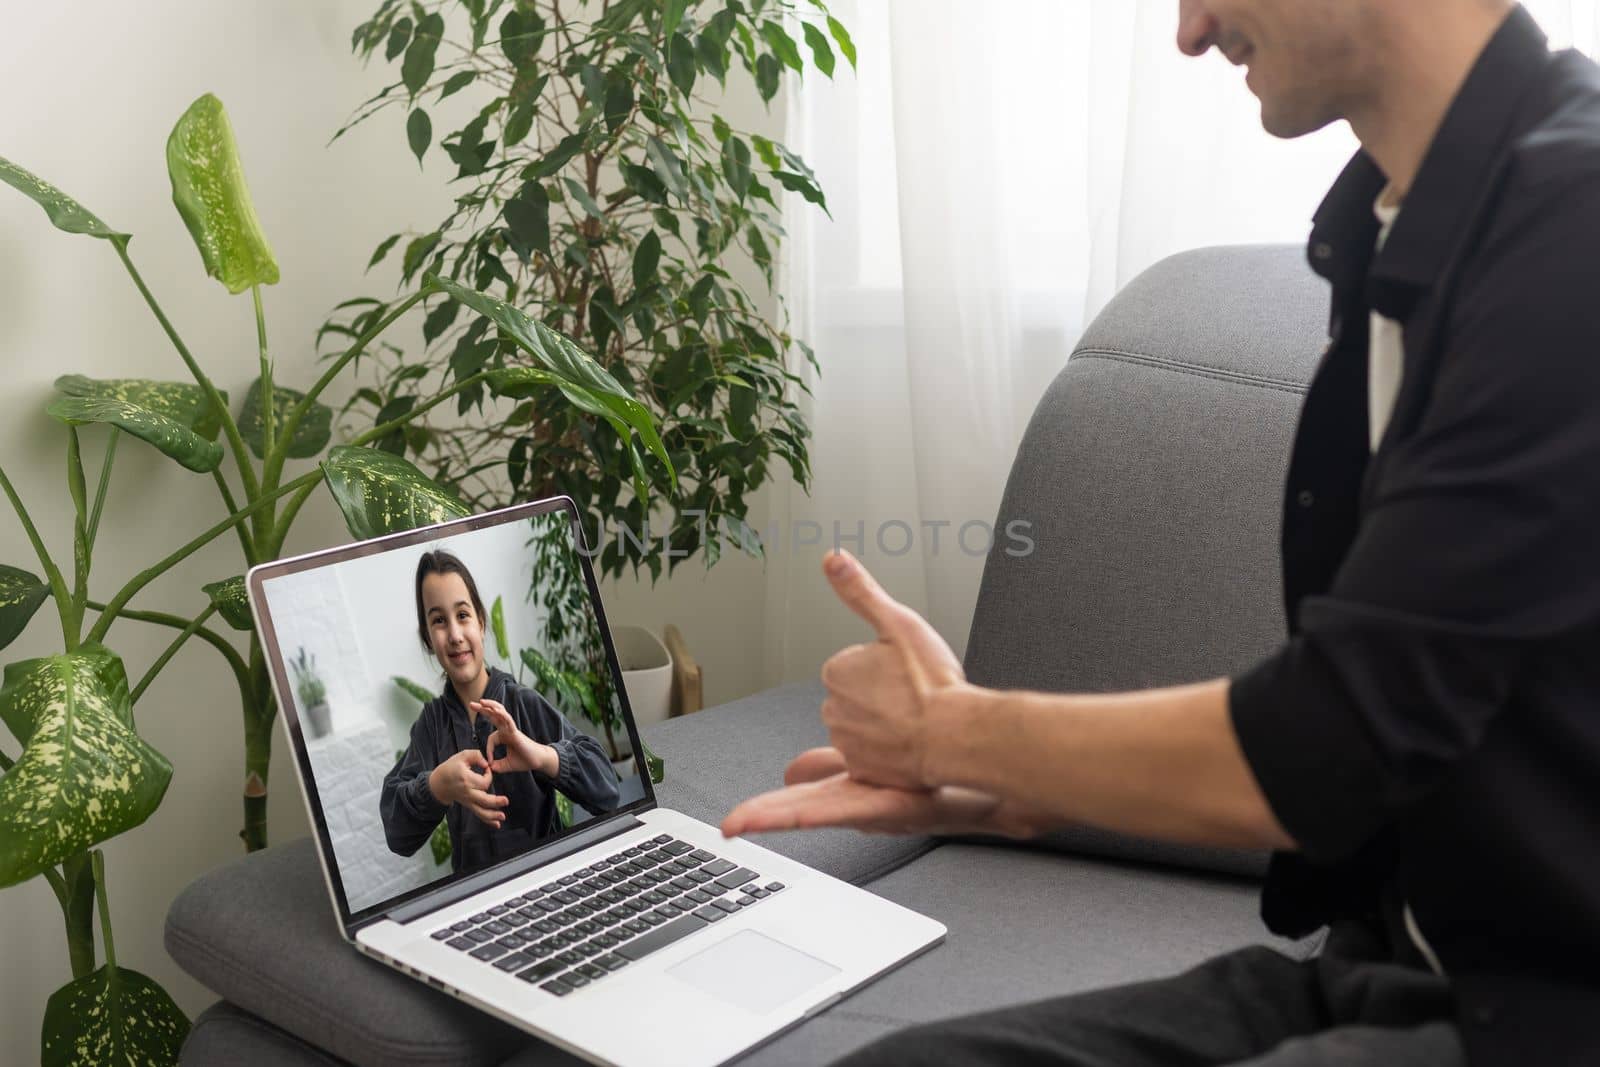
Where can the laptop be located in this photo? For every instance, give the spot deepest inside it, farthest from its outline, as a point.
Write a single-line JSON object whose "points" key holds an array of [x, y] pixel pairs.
{"points": [[619, 930]]}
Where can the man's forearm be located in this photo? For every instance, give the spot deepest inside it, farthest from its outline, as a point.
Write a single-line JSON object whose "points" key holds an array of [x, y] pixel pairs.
{"points": [[1162, 763]]}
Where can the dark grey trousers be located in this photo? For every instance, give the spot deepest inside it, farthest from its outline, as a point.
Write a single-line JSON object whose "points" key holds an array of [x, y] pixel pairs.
{"points": [[1348, 1007]]}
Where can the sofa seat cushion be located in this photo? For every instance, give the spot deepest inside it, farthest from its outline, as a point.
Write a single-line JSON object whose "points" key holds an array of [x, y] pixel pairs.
{"points": [[718, 757], [226, 1034]]}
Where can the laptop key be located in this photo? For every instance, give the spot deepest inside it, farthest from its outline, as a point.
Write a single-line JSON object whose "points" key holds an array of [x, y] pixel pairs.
{"points": [[574, 979], [462, 943], [700, 855], [443, 935], [638, 926], [610, 962], [676, 848], [565, 897], [745, 901], [555, 986], [461, 926], [736, 878], [487, 952], [632, 850], [709, 914], [482, 917], [591, 972], [541, 970], [683, 885], [758, 892], [514, 962], [668, 911], [652, 918], [618, 858], [605, 940], [497, 928], [515, 918], [512, 941], [568, 879], [480, 936], [499, 909], [550, 887], [699, 896], [568, 958], [661, 937], [717, 868], [700, 877], [548, 905], [725, 904], [663, 839]]}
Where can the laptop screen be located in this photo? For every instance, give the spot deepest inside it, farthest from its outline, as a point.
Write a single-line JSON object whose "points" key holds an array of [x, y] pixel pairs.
{"points": [[455, 697]]}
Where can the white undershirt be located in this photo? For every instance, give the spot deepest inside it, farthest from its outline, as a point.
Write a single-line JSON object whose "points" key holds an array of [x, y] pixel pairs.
{"points": [[1386, 349], [1385, 360]]}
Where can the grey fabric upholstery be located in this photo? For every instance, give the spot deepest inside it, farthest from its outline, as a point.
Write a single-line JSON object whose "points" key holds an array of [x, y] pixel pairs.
{"points": [[1151, 474]]}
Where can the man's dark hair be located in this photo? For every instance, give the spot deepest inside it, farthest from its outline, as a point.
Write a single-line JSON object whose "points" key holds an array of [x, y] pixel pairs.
{"points": [[438, 561]]}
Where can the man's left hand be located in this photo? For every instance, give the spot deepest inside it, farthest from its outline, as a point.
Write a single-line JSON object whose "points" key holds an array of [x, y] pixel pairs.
{"points": [[879, 694]]}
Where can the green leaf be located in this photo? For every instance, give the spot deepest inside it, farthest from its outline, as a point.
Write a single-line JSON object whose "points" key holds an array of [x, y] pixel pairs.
{"points": [[209, 190], [310, 437], [84, 775], [586, 384], [782, 45], [416, 691], [457, 82], [20, 596], [232, 602], [497, 623], [417, 67], [821, 53], [654, 764], [528, 216], [585, 201], [182, 402], [170, 436], [681, 67], [769, 74], [563, 810], [399, 37], [709, 52], [841, 37], [646, 258], [439, 842], [736, 166], [668, 168], [618, 100], [64, 212], [382, 250], [114, 1015], [672, 16], [804, 186], [380, 493], [521, 34], [558, 157], [419, 133]]}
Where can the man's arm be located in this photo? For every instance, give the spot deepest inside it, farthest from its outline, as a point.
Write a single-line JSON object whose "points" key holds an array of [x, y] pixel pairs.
{"points": [[1162, 763]]}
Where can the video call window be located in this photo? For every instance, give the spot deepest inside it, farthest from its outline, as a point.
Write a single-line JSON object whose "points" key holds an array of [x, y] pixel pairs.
{"points": [[404, 666]]}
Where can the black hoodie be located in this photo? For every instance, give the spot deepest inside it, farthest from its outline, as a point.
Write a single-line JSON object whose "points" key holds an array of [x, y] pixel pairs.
{"points": [[410, 811]]}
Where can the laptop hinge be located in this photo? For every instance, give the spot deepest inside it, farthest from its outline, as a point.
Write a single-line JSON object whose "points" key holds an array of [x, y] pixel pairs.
{"points": [[455, 891]]}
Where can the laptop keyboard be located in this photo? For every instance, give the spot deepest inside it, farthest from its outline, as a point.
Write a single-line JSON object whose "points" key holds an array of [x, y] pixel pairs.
{"points": [[597, 920]]}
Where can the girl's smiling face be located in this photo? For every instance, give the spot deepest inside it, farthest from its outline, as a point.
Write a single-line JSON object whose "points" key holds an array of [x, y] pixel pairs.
{"points": [[455, 633]]}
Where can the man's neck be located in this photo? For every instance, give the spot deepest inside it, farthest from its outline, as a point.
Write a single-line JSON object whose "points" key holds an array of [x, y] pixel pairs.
{"points": [[1426, 63]]}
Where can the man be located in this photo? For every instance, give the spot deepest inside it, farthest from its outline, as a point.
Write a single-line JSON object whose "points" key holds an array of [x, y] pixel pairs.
{"points": [[1424, 752]]}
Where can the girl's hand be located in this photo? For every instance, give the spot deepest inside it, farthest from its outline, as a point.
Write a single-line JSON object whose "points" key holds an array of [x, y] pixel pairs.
{"points": [[465, 779], [522, 752]]}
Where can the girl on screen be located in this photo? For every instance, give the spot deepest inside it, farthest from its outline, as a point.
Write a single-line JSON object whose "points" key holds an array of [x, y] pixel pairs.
{"points": [[487, 755]]}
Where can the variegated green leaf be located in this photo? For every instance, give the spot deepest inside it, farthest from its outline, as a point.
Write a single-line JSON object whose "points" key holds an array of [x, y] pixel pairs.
{"points": [[170, 436], [233, 604], [180, 401], [84, 775], [588, 385], [310, 437], [497, 623], [380, 493], [209, 190], [64, 212], [20, 596], [112, 1016]]}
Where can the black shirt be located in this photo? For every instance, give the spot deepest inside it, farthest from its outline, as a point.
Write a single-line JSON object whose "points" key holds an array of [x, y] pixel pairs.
{"points": [[1430, 735], [411, 812]]}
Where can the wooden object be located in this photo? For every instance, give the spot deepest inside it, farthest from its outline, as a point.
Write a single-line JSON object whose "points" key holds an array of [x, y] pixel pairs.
{"points": [[686, 685]]}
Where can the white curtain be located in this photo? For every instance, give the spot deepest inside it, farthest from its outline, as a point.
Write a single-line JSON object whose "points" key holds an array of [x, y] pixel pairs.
{"points": [[995, 173]]}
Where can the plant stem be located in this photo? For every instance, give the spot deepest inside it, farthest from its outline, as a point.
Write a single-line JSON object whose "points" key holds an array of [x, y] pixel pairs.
{"points": [[150, 574], [105, 482], [265, 520], [291, 423], [78, 912], [58, 585], [229, 427], [171, 650], [249, 547], [105, 907], [6, 762], [210, 637], [80, 539], [58, 885]]}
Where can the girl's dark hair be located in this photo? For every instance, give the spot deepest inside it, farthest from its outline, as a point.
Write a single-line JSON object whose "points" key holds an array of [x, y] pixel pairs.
{"points": [[438, 561]]}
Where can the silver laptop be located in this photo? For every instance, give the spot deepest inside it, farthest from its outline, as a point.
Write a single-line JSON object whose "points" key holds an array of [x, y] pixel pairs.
{"points": [[579, 910]]}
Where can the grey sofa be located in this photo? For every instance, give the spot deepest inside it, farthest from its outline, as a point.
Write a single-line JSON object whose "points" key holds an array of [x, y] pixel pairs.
{"points": [[1152, 474]]}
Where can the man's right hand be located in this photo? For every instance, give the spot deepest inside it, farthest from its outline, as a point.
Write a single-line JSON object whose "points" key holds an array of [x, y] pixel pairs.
{"points": [[465, 779]]}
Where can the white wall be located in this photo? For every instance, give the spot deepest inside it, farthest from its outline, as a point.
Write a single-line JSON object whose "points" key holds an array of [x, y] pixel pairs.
{"points": [[91, 92]]}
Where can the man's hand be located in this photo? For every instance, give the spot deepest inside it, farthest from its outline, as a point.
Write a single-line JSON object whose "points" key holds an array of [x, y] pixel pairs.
{"points": [[522, 752], [820, 792], [465, 779], [878, 694]]}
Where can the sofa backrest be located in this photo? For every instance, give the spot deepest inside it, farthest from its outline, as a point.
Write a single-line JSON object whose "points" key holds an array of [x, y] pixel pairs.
{"points": [[1151, 479]]}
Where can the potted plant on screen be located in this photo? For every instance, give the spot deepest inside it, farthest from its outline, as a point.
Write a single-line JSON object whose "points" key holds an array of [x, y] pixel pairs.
{"points": [[312, 693]]}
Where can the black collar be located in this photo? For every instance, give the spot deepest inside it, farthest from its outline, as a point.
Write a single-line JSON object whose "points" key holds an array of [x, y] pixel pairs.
{"points": [[1459, 163]]}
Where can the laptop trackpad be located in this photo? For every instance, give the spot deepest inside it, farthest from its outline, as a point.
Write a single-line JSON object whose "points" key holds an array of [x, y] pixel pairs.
{"points": [[753, 971]]}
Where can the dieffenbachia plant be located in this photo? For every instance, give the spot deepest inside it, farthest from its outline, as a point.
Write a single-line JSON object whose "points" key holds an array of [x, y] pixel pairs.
{"points": [[84, 774]]}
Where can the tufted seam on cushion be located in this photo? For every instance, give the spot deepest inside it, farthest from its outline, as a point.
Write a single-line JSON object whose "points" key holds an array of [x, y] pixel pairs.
{"points": [[1199, 370], [407, 1053]]}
